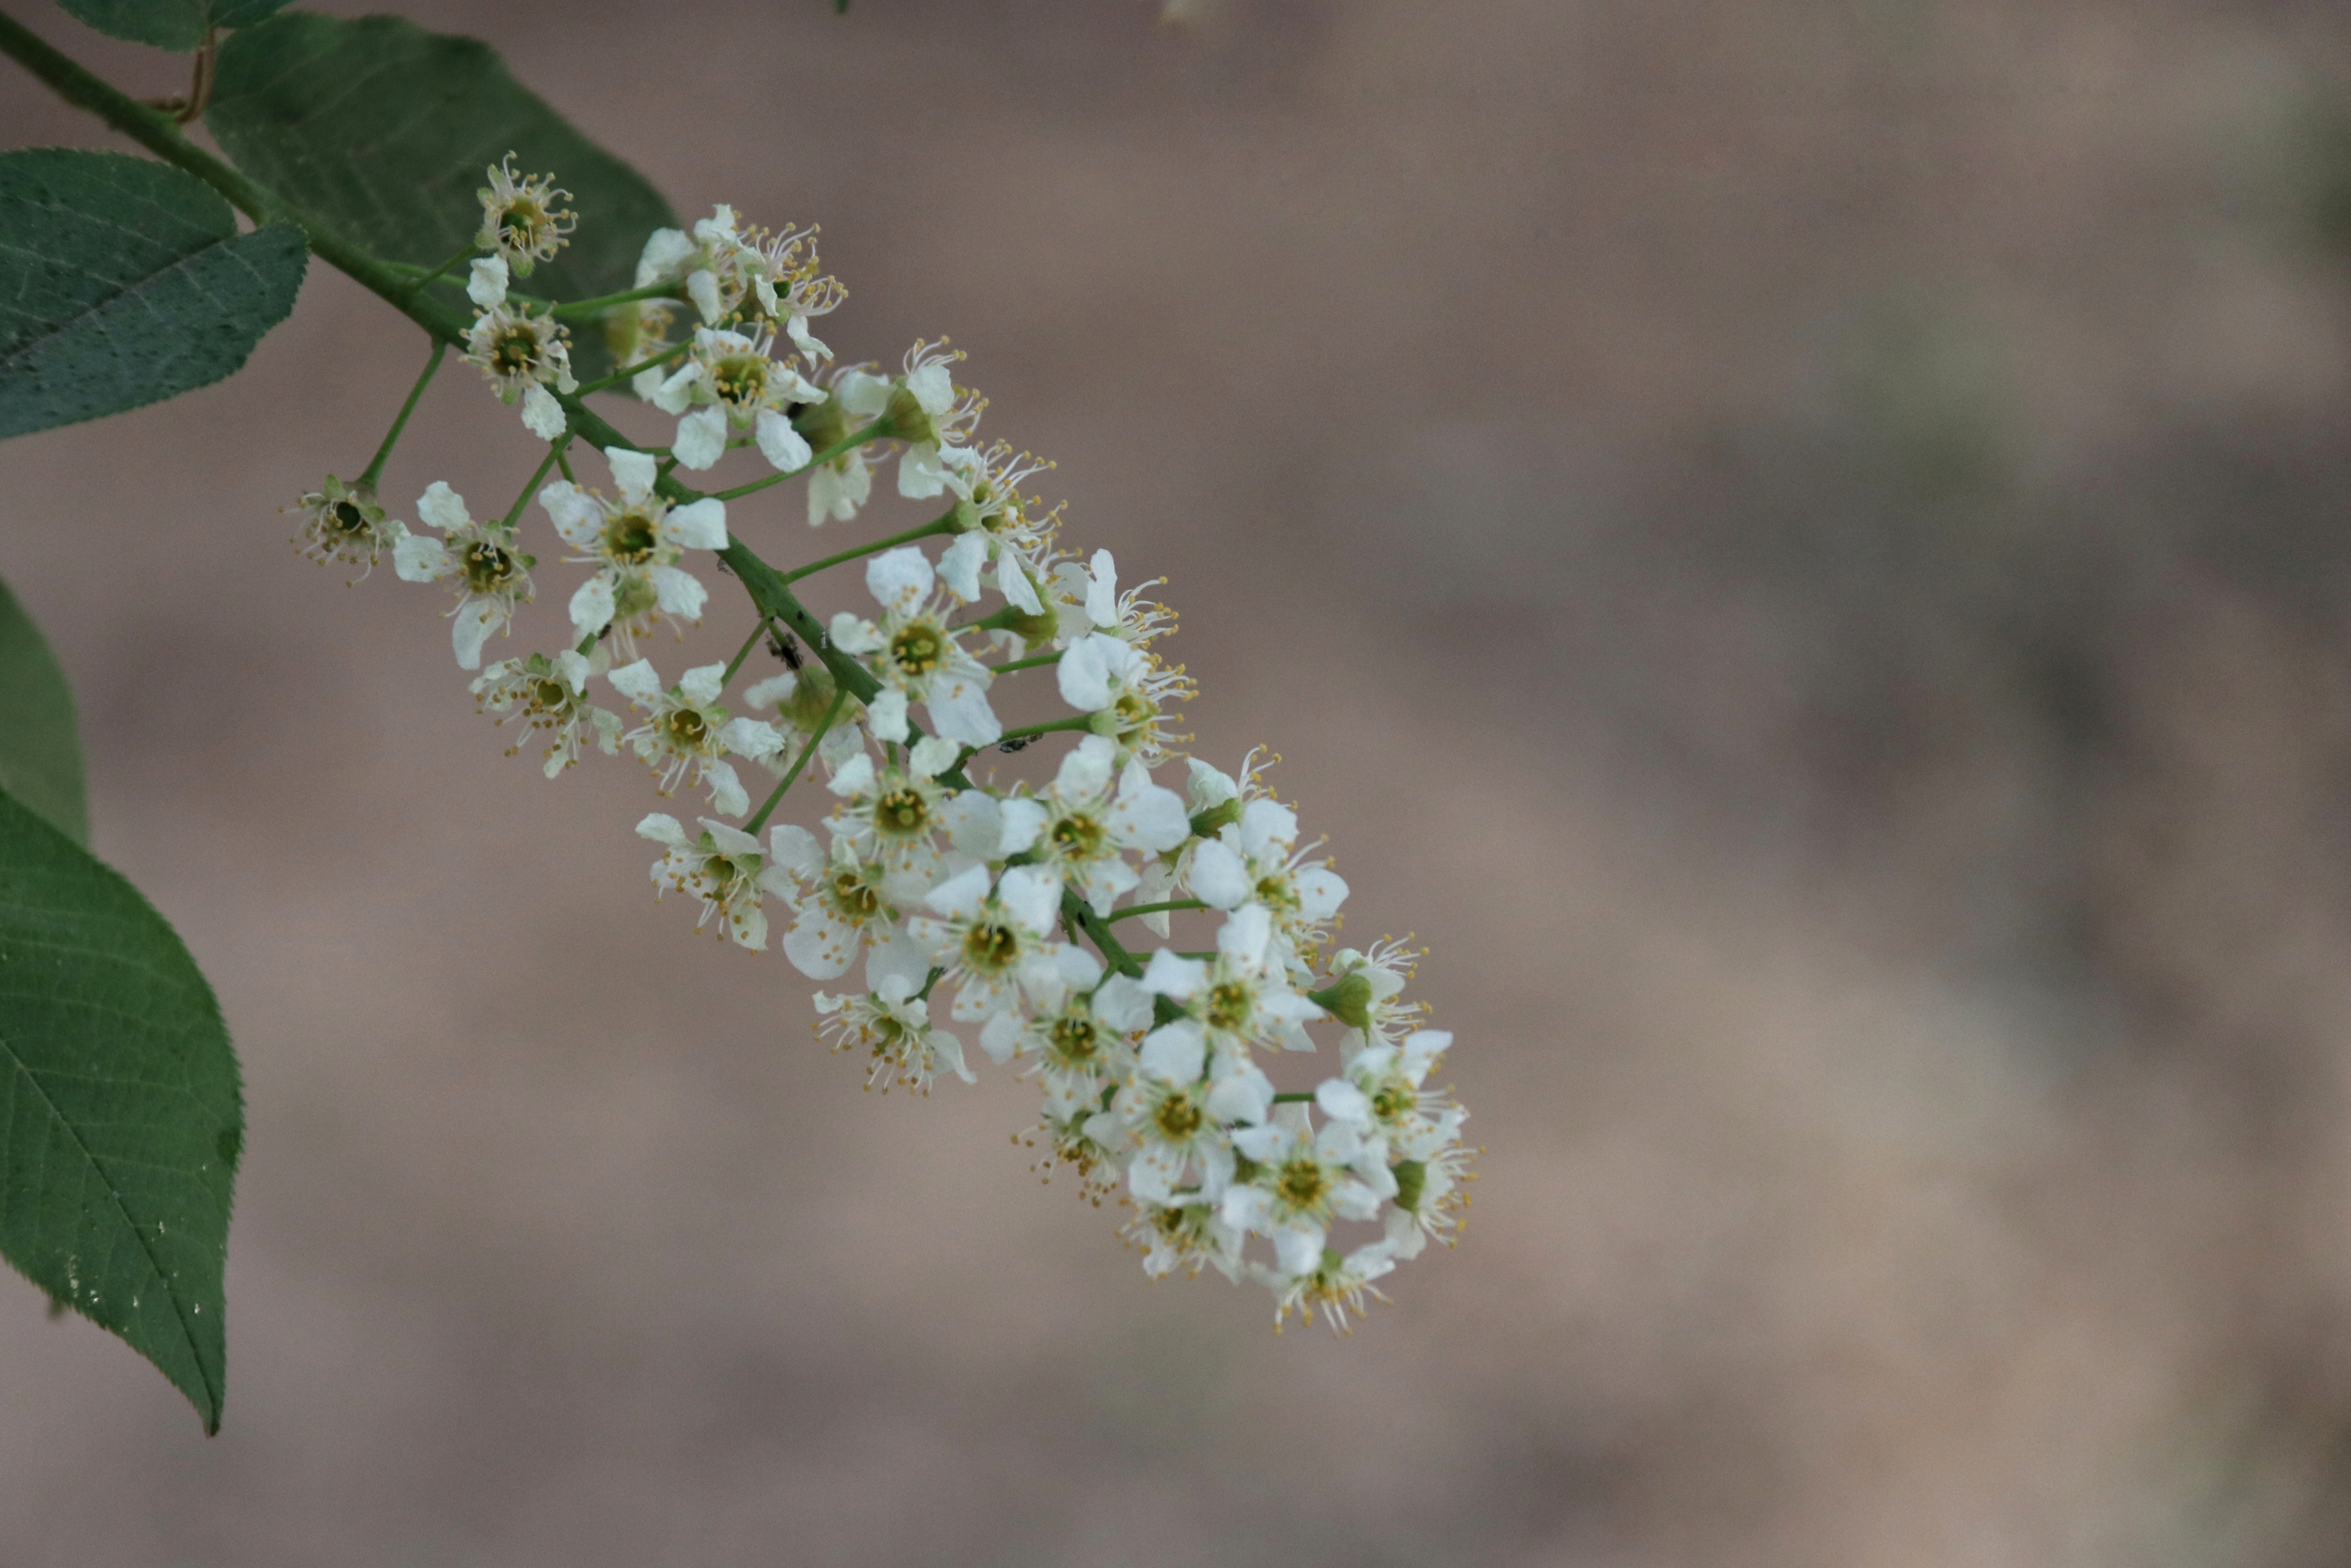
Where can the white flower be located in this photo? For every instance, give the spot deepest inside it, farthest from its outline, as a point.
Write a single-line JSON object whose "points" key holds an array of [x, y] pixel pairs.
{"points": [[891, 814], [1301, 1180], [520, 353], [1127, 690], [840, 908], [1079, 828], [1382, 1097], [992, 938], [1230, 1003], [925, 409], [722, 866], [1365, 994], [915, 654], [1186, 1236], [346, 523], [1252, 861], [635, 542], [1335, 1286], [893, 1026], [549, 694], [728, 383], [521, 219], [687, 731], [1086, 600], [491, 576], [1180, 1147], [989, 501]]}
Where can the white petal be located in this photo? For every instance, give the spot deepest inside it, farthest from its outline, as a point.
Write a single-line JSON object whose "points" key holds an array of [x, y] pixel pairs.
{"points": [[933, 755], [1102, 591], [771, 692], [1151, 819], [701, 439], [901, 959], [420, 558], [591, 605], [886, 715], [785, 449], [700, 685], [1265, 823], [750, 738], [899, 580], [675, 395], [1123, 1003], [1342, 1102], [1209, 788], [541, 414], [959, 711], [959, 564], [919, 474], [1032, 894], [819, 946], [470, 628], [573, 666], [933, 386], [853, 635], [960, 896], [861, 392], [974, 821], [794, 848], [637, 680], [665, 251], [1173, 1054], [852, 778], [634, 472], [1168, 974], [1243, 935], [1002, 1033], [730, 840], [487, 284], [1219, 877], [442, 508], [574, 512], [1014, 584], [679, 593], [703, 289], [726, 796], [1023, 820], [662, 829], [1083, 675]]}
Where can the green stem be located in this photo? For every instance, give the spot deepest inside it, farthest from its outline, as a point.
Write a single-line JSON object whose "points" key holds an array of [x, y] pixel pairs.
{"points": [[606, 301], [759, 819], [1031, 663], [1294, 1097], [744, 653], [1029, 732], [392, 438], [161, 136], [632, 371], [463, 252], [769, 592], [514, 513], [848, 443], [944, 525], [1170, 906]]}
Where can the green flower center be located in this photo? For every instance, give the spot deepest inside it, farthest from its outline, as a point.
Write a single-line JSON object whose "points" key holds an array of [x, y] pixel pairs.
{"points": [[1394, 1101], [902, 813], [1275, 892], [1074, 1039], [917, 649], [521, 220], [1230, 1004], [631, 538], [515, 351], [549, 696], [686, 729], [988, 947], [1177, 1117], [488, 566], [347, 519], [1302, 1184], [740, 379], [856, 901], [1079, 837]]}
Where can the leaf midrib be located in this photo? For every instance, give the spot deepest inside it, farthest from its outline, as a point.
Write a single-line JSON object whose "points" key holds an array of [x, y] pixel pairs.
{"points": [[179, 1308]]}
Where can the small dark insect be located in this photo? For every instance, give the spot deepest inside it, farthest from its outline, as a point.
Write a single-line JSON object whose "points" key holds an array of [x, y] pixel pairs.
{"points": [[782, 646], [1010, 747]]}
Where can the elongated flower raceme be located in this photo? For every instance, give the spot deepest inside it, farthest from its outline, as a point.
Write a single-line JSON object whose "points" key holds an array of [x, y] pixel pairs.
{"points": [[979, 916]]}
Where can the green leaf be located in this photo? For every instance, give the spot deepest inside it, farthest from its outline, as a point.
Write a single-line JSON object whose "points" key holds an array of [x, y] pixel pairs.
{"points": [[387, 131], [169, 24], [123, 282], [40, 753], [122, 1120]]}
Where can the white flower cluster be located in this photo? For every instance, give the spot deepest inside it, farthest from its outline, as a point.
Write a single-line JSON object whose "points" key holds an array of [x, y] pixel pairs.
{"points": [[967, 908]]}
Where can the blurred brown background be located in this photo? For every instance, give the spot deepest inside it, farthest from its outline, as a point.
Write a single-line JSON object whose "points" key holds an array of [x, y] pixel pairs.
{"points": [[1800, 545]]}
